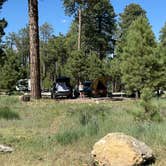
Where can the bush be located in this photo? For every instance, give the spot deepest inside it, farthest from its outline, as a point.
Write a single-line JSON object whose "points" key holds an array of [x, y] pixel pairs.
{"points": [[151, 111]]}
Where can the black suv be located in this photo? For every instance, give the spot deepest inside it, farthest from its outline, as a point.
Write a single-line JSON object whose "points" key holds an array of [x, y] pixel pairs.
{"points": [[61, 88]]}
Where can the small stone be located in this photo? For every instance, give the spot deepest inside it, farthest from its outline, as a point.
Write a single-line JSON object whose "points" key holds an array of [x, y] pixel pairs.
{"points": [[5, 149]]}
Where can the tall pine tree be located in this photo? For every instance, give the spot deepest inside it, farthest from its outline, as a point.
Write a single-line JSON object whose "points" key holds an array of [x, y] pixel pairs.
{"points": [[99, 27], [161, 52], [130, 14], [3, 24], [34, 49], [138, 59]]}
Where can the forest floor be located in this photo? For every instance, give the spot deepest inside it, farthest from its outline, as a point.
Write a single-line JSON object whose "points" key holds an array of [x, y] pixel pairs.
{"points": [[62, 132]]}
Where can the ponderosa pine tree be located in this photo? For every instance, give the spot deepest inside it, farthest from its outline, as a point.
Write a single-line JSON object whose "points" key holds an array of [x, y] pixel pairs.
{"points": [[11, 71], [130, 14], [76, 66], [98, 27], [56, 57], [138, 59], [161, 52], [34, 49], [20, 41], [75, 8], [95, 68], [3, 22], [46, 32], [71, 38]]}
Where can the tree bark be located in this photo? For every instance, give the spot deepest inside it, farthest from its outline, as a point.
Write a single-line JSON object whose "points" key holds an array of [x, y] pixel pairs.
{"points": [[34, 49], [79, 29]]}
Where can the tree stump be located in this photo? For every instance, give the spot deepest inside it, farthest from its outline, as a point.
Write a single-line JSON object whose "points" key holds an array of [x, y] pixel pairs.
{"points": [[25, 98]]}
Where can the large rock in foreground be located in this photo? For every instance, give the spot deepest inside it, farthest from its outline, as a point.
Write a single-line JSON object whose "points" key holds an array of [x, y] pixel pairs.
{"points": [[5, 149], [118, 149]]}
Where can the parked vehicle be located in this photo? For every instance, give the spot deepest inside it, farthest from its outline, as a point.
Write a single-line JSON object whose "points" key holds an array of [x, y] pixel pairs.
{"points": [[23, 85], [87, 89], [97, 87], [61, 88]]}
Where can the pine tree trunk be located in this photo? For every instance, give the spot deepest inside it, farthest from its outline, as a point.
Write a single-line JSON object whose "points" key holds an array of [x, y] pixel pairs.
{"points": [[34, 49], [79, 29]]}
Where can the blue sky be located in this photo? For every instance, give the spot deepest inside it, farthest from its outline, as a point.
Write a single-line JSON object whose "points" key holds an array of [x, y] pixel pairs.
{"points": [[51, 11]]}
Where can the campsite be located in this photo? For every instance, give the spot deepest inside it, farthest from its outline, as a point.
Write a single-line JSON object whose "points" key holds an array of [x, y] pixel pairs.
{"points": [[82, 83]]}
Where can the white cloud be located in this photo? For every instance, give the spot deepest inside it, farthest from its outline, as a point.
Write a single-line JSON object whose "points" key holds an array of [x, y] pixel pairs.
{"points": [[63, 21]]}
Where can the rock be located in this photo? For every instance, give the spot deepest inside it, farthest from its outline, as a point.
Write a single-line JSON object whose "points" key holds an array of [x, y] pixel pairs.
{"points": [[5, 149], [118, 149]]}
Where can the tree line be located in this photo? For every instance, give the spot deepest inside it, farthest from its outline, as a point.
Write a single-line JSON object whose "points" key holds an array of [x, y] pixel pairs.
{"points": [[99, 43]]}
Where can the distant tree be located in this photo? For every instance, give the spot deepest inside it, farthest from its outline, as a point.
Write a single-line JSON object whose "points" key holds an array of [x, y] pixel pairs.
{"points": [[76, 66], [130, 14], [3, 24], [56, 58], [95, 68], [98, 29], [97, 25], [71, 38], [161, 52], [20, 42], [75, 8], [34, 49], [11, 71], [138, 59], [115, 73], [163, 35], [46, 32], [1, 3]]}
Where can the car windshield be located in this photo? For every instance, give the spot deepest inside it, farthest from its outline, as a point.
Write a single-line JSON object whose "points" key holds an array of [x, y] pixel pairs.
{"points": [[61, 86]]}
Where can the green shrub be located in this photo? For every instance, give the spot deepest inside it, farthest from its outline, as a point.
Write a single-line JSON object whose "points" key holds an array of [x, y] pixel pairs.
{"points": [[151, 111]]}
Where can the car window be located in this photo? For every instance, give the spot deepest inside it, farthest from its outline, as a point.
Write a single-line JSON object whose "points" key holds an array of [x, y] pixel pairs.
{"points": [[61, 86]]}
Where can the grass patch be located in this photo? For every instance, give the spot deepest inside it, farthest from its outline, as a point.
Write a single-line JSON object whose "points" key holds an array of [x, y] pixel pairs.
{"points": [[8, 114], [68, 137], [55, 133]]}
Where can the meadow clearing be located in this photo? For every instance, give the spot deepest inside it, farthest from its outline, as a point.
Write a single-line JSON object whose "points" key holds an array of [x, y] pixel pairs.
{"points": [[57, 133]]}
